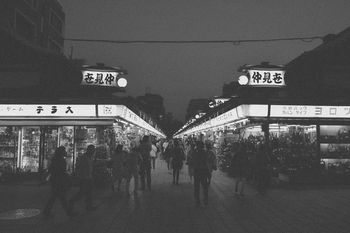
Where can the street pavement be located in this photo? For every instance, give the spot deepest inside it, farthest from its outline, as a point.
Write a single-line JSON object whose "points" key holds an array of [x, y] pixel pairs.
{"points": [[170, 208]]}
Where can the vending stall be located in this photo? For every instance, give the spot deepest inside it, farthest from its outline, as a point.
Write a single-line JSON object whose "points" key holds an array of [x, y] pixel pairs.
{"points": [[30, 133], [305, 142]]}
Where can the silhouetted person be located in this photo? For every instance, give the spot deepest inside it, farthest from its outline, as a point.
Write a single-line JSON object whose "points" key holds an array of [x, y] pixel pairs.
{"points": [[199, 162], [118, 157], [153, 154], [178, 157], [240, 165], [212, 162], [145, 169], [132, 162], [60, 182], [84, 174], [262, 171], [190, 152]]}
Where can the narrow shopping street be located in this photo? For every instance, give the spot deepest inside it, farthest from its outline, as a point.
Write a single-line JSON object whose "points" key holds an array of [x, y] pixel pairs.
{"points": [[170, 208]]}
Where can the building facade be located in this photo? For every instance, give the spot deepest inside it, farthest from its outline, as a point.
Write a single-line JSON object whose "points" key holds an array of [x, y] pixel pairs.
{"points": [[39, 23]]}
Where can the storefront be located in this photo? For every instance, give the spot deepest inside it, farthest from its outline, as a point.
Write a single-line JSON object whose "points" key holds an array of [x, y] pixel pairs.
{"points": [[303, 140], [30, 133]]}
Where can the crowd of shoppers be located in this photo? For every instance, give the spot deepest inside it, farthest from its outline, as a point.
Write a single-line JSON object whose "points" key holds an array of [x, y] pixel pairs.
{"points": [[138, 162]]}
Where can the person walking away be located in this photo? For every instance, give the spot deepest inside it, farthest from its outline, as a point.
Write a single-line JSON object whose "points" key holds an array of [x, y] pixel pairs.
{"points": [[178, 157], [153, 154], [190, 152], [240, 165], [117, 167], [145, 169], [84, 174], [201, 173], [60, 182], [212, 162], [132, 162], [167, 154]]}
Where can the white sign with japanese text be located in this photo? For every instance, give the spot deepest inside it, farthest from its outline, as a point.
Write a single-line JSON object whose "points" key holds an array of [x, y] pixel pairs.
{"points": [[266, 78], [99, 78], [107, 110], [126, 114], [47, 110], [310, 111]]}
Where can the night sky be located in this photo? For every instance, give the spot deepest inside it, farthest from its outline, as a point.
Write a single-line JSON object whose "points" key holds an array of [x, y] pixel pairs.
{"points": [[182, 72]]}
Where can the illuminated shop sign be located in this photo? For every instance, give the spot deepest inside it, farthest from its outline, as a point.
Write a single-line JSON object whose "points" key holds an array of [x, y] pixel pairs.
{"points": [[226, 117], [126, 114], [266, 78], [107, 110], [310, 111], [252, 110], [100, 78], [216, 102], [47, 110], [235, 114]]}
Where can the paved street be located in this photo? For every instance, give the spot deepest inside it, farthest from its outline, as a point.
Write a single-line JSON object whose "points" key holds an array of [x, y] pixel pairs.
{"points": [[170, 208]]}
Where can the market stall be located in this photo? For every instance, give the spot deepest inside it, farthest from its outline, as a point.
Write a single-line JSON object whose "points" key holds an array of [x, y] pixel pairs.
{"points": [[30, 133], [304, 141]]}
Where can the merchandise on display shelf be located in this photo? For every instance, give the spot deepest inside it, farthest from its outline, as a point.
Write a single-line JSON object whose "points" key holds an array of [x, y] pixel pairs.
{"points": [[335, 148], [293, 146], [8, 148]]}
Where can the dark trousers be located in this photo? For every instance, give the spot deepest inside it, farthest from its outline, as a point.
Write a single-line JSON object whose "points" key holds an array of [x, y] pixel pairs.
{"points": [[59, 194], [201, 179], [145, 174], [85, 191], [176, 173]]}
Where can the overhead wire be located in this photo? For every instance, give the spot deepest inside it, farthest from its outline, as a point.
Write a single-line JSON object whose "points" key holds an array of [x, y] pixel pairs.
{"points": [[234, 42]]}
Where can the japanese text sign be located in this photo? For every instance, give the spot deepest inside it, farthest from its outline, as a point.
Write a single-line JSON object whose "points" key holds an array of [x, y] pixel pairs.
{"points": [[99, 78], [266, 78], [310, 111], [47, 110]]}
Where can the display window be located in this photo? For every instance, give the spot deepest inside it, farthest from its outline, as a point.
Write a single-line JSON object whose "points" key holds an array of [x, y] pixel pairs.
{"points": [[335, 148], [50, 145], [84, 136], [8, 148], [66, 139], [30, 150], [293, 146]]}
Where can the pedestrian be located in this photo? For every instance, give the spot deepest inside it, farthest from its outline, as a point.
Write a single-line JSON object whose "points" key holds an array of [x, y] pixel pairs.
{"points": [[118, 158], [199, 162], [132, 165], [212, 162], [60, 182], [167, 154], [262, 173], [178, 157], [190, 152], [84, 174], [153, 155], [145, 169], [240, 165]]}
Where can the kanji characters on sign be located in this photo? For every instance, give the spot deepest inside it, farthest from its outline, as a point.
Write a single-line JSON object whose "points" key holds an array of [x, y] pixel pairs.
{"points": [[266, 78], [99, 78]]}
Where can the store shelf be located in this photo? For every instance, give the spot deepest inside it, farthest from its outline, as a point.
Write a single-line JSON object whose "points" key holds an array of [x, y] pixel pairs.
{"points": [[335, 141]]}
